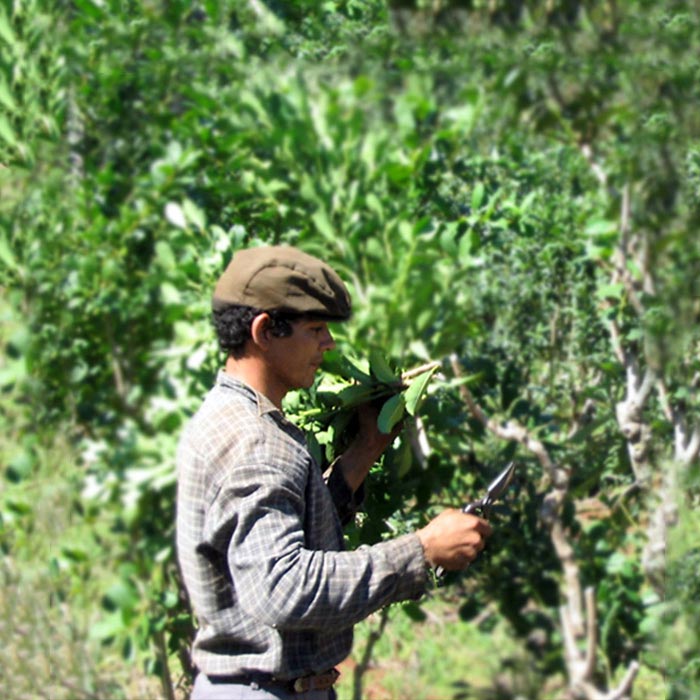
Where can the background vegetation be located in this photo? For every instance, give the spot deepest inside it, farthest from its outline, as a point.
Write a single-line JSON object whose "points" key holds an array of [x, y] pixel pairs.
{"points": [[511, 189]]}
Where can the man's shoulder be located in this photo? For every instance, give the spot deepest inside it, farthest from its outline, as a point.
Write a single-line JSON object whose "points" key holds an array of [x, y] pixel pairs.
{"points": [[225, 412], [231, 419]]}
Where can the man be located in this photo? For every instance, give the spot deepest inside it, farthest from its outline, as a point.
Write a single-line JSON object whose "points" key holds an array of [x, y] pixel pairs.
{"points": [[258, 526]]}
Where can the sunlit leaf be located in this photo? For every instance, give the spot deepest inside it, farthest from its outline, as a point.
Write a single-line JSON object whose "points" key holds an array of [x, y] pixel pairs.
{"points": [[6, 131], [194, 214], [6, 97], [175, 215], [6, 33], [478, 195], [415, 392], [7, 257]]}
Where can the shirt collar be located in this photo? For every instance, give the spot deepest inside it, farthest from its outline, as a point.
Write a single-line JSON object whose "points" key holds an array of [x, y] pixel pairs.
{"points": [[261, 401]]}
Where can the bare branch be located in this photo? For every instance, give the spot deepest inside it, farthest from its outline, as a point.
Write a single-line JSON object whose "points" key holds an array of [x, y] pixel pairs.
{"points": [[510, 431], [418, 438], [623, 691], [569, 636], [686, 438], [616, 339], [572, 581], [600, 174], [411, 373], [584, 416], [630, 418], [664, 399], [591, 634], [625, 217], [692, 448]]}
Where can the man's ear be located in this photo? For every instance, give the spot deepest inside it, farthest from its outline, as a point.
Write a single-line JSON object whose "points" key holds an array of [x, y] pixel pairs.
{"points": [[260, 330]]}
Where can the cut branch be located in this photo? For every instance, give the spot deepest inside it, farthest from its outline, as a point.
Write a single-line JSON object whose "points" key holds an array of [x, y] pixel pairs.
{"points": [[418, 438], [415, 371]]}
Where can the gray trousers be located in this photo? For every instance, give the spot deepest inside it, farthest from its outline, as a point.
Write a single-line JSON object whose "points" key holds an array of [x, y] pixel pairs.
{"points": [[204, 689]]}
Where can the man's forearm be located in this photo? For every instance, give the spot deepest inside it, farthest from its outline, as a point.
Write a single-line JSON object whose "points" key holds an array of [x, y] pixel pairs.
{"points": [[357, 460]]}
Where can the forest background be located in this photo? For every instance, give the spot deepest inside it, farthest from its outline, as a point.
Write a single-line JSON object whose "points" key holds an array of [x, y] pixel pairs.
{"points": [[511, 189]]}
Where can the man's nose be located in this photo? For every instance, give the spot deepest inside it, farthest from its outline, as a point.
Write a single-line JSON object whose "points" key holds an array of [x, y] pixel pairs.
{"points": [[327, 343]]}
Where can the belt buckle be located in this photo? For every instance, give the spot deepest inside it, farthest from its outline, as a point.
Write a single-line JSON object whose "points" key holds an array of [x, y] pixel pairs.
{"points": [[320, 681]]}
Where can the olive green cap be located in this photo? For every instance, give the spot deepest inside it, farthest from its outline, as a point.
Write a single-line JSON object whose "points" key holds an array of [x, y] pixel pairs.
{"points": [[282, 278]]}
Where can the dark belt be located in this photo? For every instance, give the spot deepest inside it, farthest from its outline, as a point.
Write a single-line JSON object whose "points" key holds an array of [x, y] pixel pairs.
{"points": [[303, 684]]}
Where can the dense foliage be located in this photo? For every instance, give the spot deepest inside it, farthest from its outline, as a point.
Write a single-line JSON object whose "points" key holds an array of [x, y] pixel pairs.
{"points": [[511, 191]]}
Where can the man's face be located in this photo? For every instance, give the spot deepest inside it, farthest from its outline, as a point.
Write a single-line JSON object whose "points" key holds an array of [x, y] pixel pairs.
{"points": [[294, 359]]}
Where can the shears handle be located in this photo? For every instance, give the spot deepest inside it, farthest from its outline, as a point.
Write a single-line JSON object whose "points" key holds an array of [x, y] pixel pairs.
{"points": [[475, 508]]}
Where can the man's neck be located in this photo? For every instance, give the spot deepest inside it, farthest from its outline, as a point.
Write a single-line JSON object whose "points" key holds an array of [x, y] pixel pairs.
{"points": [[251, 371]]}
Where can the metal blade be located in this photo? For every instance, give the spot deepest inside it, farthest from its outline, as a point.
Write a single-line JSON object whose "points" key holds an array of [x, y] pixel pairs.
{"points": [[499, 484]]}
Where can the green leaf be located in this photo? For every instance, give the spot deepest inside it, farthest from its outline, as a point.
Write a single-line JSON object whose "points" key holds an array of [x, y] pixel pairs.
{"points": [[90, 8], [6, 131], [465, 247], [170, 600], [324, 225], [619, 564], [314, 448], [604, 228], [355, 395], [354, 368], [18, 506], [165, 255], [414, 611], [374, 204], [6, 97], [478, 195], [405, 459], [121, 595], [380, 368], [108, 627], [170, 294], [6, 32], [21, 465], [194, 214], [75, 553], [392, 412], [610, 291], [7, 257], [175, 215], [414, 394]]}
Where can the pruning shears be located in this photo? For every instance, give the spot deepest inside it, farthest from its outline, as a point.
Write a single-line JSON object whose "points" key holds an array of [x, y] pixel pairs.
{"points": [[483, 506]]}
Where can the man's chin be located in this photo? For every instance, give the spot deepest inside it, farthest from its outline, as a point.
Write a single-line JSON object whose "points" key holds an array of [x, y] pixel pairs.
{"points": [[308, 383]]}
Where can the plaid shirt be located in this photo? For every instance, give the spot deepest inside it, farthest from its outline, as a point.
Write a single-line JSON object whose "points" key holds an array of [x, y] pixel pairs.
{"points": [[260, 544]]}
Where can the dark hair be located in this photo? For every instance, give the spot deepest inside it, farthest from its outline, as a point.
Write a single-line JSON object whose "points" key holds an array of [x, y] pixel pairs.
{"points": [[232, 325]]}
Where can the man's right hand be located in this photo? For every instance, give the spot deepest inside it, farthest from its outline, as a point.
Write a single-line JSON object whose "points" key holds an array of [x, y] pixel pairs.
{"points": [[453, 539]]}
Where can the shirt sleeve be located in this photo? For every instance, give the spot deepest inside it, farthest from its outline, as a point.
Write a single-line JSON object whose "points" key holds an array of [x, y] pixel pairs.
{"points": [[260, 511]]}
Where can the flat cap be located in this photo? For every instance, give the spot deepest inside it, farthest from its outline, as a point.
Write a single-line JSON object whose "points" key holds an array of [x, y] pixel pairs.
{"points": [[282, 278]]}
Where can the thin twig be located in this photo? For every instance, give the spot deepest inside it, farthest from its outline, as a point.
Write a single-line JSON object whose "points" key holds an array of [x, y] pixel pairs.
{"points": [[411, 373], [374, 636]]}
